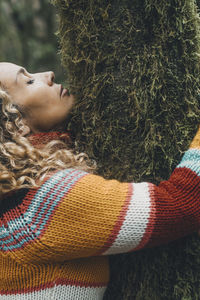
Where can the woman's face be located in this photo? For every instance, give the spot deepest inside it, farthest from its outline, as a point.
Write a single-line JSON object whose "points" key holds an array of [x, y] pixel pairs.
{"points": [[44, 103]]}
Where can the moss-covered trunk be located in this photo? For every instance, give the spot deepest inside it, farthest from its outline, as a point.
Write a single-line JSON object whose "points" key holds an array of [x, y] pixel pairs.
{"points": [[135, 66]]}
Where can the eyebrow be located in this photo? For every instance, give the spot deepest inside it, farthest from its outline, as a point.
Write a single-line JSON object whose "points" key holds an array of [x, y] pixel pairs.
{"points": [[20, 71]]}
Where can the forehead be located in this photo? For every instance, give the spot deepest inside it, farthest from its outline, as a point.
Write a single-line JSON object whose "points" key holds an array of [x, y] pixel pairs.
{"points": [[8, 73]]}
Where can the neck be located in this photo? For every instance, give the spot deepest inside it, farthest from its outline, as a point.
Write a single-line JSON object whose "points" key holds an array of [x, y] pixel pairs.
{"points": [[58, 128]]}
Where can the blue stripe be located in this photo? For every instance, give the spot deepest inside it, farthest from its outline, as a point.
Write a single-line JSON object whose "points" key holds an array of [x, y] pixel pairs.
{"points": [[22, 223], [19, 222], [191, 160], [191, 155], [42, 193]]}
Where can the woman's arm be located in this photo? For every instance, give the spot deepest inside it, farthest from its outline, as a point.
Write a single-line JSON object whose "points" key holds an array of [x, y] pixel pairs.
{"points": [[75, 214]]}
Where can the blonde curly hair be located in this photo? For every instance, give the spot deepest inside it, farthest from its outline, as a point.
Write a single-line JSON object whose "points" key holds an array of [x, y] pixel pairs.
{"points": [[21, 164]]}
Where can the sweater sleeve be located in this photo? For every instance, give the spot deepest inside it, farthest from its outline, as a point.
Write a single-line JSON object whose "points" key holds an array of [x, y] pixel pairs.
{"points": [[75, 214]]}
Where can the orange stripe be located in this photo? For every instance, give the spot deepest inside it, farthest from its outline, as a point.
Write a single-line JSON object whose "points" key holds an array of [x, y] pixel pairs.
{"points": [[119, 222], [89, 272], [84, 221], [196, 141]]}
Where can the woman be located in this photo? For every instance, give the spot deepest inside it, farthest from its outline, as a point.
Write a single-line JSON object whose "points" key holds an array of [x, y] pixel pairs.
{"points": [[58, 223]]}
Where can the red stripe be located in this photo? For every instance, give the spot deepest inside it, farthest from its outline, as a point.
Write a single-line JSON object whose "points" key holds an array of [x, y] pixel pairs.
{"points": [[53, 284], [177, 207], [32, 194], [22, 208], [34, 218], [44, 215], [119, 222], [52, 201], [18, 211]]}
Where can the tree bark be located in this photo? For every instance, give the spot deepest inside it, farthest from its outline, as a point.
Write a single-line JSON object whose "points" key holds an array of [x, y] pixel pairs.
{"points": [[135, 66]]}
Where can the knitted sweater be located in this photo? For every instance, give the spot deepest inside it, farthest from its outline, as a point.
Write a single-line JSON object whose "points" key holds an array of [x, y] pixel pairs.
{"points": [[55, 240]]}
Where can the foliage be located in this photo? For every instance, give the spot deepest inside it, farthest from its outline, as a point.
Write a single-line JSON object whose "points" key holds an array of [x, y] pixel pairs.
{"points": [[27, 35], [135, 66]]}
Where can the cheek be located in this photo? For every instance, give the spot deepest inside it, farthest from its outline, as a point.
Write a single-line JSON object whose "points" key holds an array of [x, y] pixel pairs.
{"points": [[47, 111], [38, 99], [17, 97]]}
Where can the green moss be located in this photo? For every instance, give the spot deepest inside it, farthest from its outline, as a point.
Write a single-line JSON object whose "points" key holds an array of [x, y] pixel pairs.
{"points": [[135, 67]]}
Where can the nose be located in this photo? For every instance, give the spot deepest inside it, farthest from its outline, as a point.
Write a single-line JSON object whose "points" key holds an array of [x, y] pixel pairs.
{"points": [[50, 78]]}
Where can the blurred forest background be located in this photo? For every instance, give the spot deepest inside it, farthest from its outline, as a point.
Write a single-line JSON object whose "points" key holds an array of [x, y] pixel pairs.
{"points": [[27, 35]]}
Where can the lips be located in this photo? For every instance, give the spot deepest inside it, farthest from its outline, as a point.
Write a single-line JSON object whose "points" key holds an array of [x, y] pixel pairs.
{"points": [[64, 92]]}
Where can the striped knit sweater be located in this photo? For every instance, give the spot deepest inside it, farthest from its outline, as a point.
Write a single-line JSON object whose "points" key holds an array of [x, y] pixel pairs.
{"points": [[54, 241]]}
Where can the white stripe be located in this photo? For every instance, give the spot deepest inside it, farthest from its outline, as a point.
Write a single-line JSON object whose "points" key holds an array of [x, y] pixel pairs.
{"points": [[135, 223], [61, 292]]}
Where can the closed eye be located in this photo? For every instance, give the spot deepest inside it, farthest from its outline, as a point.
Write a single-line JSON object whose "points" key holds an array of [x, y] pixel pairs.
{"points": [[31, 81]]}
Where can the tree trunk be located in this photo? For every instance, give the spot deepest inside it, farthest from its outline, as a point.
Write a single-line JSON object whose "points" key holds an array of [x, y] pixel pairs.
{"points": [[135, 66]]}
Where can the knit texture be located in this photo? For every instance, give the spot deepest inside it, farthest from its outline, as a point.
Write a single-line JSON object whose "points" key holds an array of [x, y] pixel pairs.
{"points": [[54, 240], [39, 140]]}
